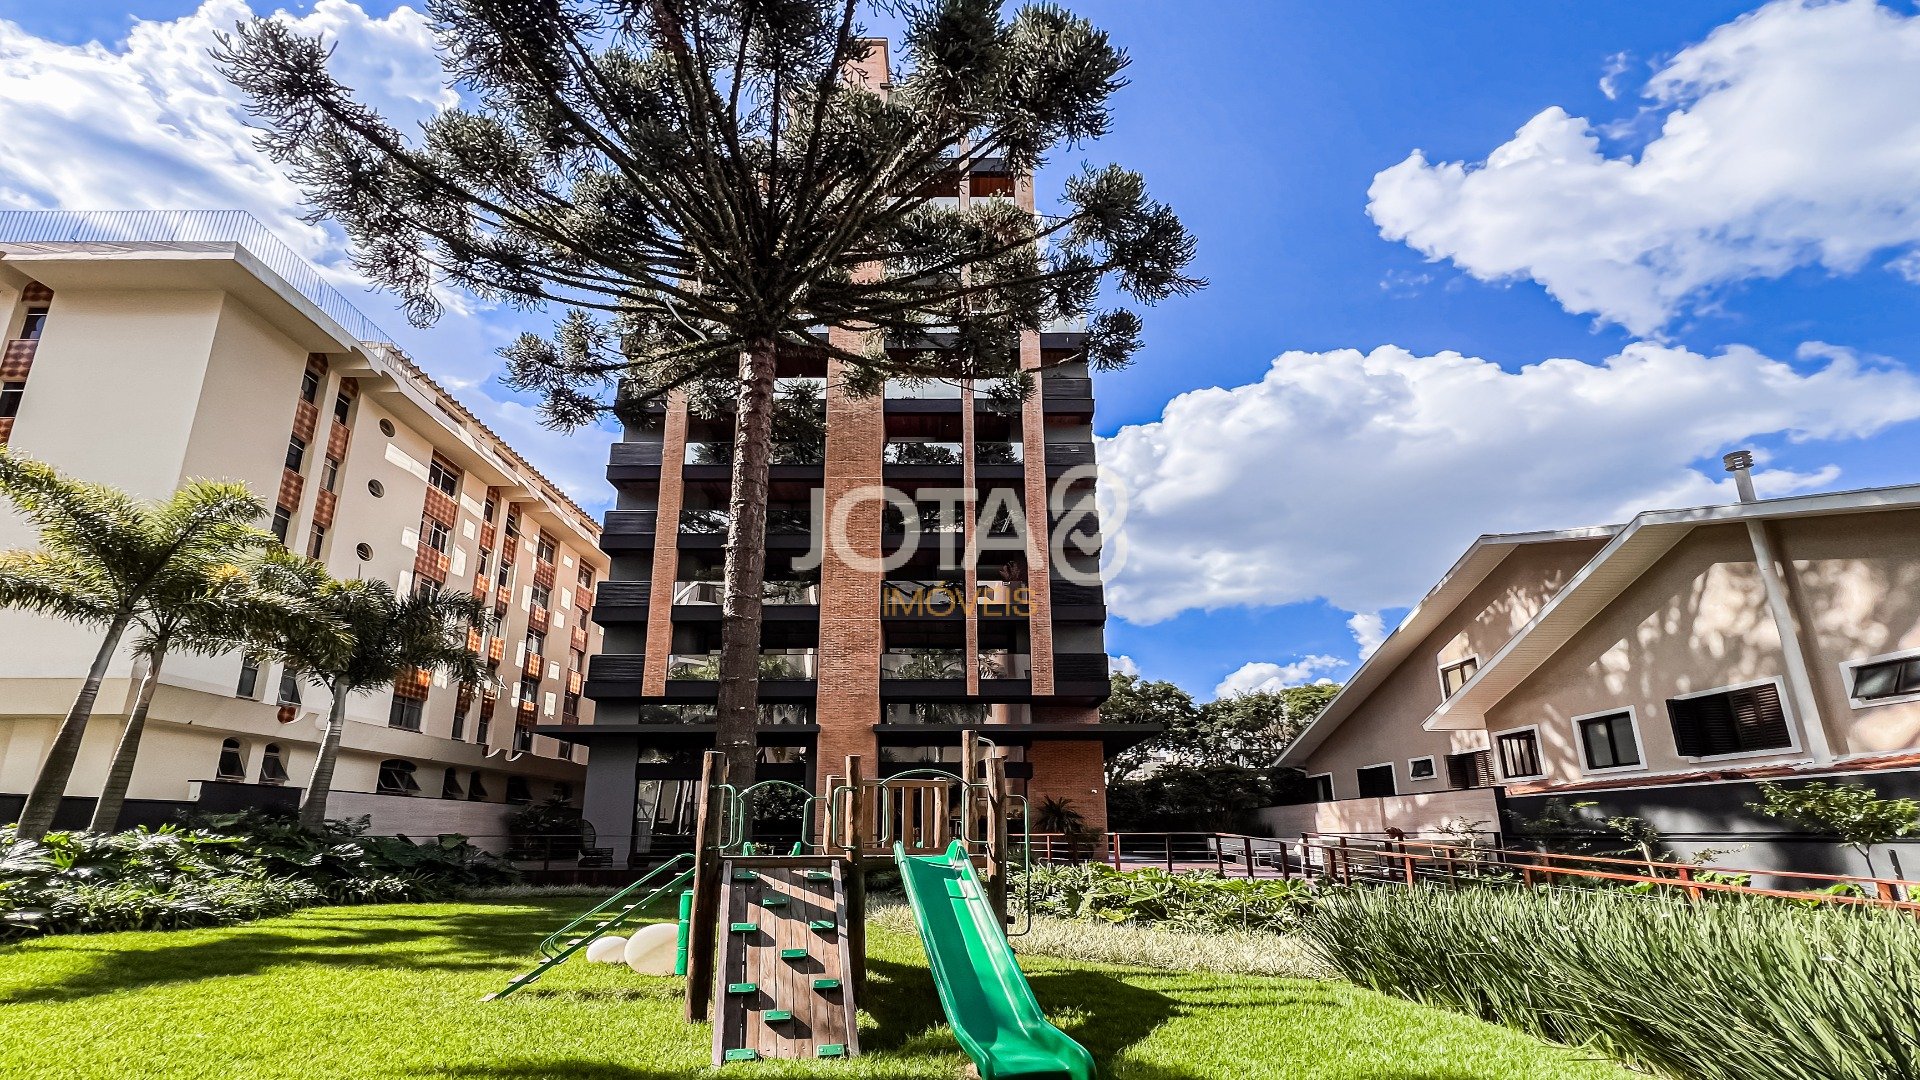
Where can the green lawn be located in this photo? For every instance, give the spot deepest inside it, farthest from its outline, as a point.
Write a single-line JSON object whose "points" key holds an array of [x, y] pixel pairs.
{"points": [[394, 991]]}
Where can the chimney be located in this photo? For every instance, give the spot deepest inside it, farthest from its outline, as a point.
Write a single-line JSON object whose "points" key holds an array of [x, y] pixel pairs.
{"points": [[1740, 464]]}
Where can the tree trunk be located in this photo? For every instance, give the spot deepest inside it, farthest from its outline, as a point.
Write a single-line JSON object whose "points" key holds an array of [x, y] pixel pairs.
{"points": [[106, 812], [746, 565], [36, 818], [313, 803]]}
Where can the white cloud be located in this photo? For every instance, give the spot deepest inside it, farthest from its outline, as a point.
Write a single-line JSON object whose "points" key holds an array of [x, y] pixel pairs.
{"points": [[149, 123], [1358, 478], [1616, 66], [1122, 665], [1369, 631], [1789, 140], [1257, 677]]}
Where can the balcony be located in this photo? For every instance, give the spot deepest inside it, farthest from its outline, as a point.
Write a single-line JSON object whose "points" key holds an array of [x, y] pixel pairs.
{"points": [[1064, 456], [634, 461], [781, 593], [628, 530], [923, 598], [1006, 665], [621, 602], [922, 390], [923, 665], [784, 453], [788, 527], [999, 453], [783, 665], [1067, 395], [922, 452]]}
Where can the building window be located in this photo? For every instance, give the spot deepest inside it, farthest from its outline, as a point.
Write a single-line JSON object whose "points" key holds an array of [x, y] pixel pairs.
{"points": [[282, 523], [536, 643], [1519, 753], [586, 576], [1421, 768], [545, 549], [1886, 679], [405, 713], [329, 473], [445, 478], [523, 740], [342, 405], [10, 395], [571, 709], [273, 765], [1741, 720], [529, 688], [541, 596], [35, 323], [396, 778], [513, 523], [310, 386], [504, 576], [318, 538], [562, 791], [233, 762], [437, 536], [1320, 787], [489, 508], [1454, 676], [459, 726], [450, 786], [249, 685], [1376, 781], [476, 789], [289, 689], [518, 791], [296, 453], [1470, 770], [1608, 741]]}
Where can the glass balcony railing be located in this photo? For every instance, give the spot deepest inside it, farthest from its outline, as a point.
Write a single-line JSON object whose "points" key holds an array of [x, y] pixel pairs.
{"points": [[925, 388], [718, 452], [922, 452], [771, 592], [954, 712], [1006, 665], [774, 664], [770, 713], [999, 453], [780, 519], [923, 664]]}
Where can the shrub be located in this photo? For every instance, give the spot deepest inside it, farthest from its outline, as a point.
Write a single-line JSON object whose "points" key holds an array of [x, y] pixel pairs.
{"points": [[1728, 989], [1182, 901]]}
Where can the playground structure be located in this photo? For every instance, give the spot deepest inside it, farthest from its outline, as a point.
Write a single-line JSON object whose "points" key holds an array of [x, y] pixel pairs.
{"points": [[773, 945]]}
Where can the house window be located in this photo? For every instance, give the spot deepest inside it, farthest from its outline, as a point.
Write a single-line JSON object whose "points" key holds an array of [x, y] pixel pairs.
{"points": [[1320, 787], [1376, 781], [405, 713], [1470, 770], [289, 689], [396, 778], [1519, 753], [282, 523], [310, 386], [438, 536], [1887, 679], [586, 576], [10, 395], [544, 551], [318, 538], [445, 478], [518, 791], [233, 762], [1420, 768], [296, 453], [476, 789], [536, 643], [1742, 720], [329, 473], [1454, 676], [273, 765], [541, 596], [1608, 741], [450, 786], [35, 323], [529, 688], [249, 684], [342, 405]]}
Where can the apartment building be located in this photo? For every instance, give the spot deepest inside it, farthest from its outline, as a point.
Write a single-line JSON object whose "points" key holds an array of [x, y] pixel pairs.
{"points": [[989, 616], [146, 349], [1661, 669]]}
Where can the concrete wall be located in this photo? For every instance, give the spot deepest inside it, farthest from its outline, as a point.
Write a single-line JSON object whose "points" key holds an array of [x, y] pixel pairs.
{"points": [[1418, 816], [424, 819]]}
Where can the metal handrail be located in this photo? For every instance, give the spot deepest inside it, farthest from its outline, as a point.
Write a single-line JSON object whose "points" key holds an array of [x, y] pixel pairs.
{"points": [[552, 941]]}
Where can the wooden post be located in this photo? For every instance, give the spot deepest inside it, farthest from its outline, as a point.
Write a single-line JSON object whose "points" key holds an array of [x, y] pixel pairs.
{"points": [[1169, 841], [999, 858], [1406, 862], [1115, 849], [1685, 873], [1246, 844], [856, 873], [704, 926], [1346, 863], [1219, 856]]}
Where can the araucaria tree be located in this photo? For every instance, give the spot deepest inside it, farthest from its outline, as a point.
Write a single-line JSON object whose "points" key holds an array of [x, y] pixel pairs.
{"points": [[709, 185], [107, 560]]}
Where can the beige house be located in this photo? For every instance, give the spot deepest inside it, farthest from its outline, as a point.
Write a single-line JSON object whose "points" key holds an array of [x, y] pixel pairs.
{"points": [[1660, 669], [146, 349]]}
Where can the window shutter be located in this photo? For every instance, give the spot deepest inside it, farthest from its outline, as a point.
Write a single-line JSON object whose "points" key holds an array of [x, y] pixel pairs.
{"points": [[1759, 721], [1741, 720]]}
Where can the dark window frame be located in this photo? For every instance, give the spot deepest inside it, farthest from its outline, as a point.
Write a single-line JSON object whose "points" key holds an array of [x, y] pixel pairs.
{"points": [[1368, 778], [296, 453], [310, 386], [1413, 771], [397, 777], [35, 322], [1902, 680], [1732, 721], [1613, 722], [12, 392], [1507, 752], [232, 764], [405, 713], [1466, 667]]}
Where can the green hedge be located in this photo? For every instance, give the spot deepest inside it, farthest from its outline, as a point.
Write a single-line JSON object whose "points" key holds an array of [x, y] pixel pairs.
{"points": [[222, 871], [1736, 989], [1182, 901]]}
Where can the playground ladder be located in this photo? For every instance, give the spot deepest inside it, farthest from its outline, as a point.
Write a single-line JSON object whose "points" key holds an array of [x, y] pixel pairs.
{"points": [[603, 918]]}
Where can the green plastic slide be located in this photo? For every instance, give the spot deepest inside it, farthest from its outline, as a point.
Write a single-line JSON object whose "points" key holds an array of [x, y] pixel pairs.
{"points": [[987, 999]]}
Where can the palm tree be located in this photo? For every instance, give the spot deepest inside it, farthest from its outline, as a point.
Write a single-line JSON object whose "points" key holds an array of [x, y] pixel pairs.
{"points": [[387, 636], [237, 606], [103, 561]]}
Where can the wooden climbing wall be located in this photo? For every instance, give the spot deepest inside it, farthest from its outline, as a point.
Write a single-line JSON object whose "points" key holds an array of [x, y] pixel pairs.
{"points": [[783, 978]]}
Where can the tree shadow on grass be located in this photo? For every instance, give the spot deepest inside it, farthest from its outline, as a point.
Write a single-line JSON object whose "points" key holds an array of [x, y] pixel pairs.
{"points": [[531, 1069], [467, 941]]}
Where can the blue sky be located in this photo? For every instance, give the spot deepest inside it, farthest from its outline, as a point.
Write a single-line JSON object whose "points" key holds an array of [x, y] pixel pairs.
{"points": [[1702, 220]]}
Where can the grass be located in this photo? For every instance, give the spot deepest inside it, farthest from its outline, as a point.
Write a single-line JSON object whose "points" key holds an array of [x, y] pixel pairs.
{"points": [[394, 991]]}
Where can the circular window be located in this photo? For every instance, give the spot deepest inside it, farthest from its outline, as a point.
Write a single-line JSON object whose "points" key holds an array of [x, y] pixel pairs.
{"points": [[386, 428], [377, 488], [365, 551]]}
